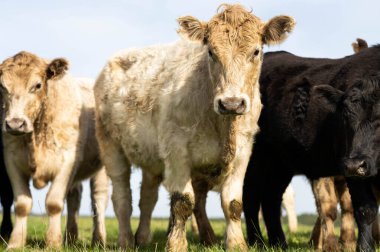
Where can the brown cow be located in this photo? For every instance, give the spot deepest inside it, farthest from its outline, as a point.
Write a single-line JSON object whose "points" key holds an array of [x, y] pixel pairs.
{"points": [[185, 109], [49, 136]]}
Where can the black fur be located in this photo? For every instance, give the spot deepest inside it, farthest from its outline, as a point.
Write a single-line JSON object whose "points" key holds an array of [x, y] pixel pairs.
{"points": [[318, 113]]}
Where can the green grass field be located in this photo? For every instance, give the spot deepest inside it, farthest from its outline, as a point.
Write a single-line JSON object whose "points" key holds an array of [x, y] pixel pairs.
{"points": [[38, 224]]}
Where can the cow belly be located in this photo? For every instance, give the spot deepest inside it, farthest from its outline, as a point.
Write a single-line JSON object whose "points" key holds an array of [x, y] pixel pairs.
{"points": [[140, 145]]}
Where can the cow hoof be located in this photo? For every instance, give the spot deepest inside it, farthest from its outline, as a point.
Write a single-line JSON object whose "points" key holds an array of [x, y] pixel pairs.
{"points": [[98, 239], [126, 242], [236, 245], [142, 238], [53, 242], [331, 244], [71, 235], [176, 245]]}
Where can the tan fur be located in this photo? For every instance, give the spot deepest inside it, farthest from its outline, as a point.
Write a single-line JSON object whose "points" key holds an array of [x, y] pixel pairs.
{"points": [[58, 144], [157, 108], [359, 45], [327, 193]]}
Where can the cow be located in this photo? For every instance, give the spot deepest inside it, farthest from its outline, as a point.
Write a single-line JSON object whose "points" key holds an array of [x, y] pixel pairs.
{"points": [[184, 110], [49, 136], [6, 196], [327, 193], [320, 118]]}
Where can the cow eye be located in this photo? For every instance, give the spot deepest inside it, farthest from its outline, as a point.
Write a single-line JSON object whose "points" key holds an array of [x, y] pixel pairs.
{"points": [[211, 55], [36, 87], [255, 54]]}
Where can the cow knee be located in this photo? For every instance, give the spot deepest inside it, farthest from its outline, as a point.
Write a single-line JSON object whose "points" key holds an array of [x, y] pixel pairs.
{"points": [[23, 206], [54, 206], [181, 206], [366, 215], [235, 210]]}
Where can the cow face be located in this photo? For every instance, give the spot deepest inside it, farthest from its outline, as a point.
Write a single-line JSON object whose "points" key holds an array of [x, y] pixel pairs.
{"points": [[24, 86], [361, 117], [234, 40], [359, 107]]}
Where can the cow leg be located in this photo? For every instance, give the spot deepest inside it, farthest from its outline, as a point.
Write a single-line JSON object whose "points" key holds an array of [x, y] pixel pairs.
{"points": [[23, 206], [347, 231], [231, 197], [55, 198], [323, 236], [206, 233], [365, 212], [149, 195], [288, 204], [271, 207], [194, 225], [119, 170], [99, 201], [375, 226], [6, 196], [73, 204]]}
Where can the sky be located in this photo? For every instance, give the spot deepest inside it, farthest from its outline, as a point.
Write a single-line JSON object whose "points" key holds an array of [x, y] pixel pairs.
{"points": [[88, 32]]}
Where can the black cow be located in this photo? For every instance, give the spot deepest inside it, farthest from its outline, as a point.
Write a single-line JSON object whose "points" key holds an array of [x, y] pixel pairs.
{"points": [[6, 196], [321, 117]]}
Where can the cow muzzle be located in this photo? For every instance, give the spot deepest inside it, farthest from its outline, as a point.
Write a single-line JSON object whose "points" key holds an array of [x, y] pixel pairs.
{"points": [[232, 106], [356, 167], [16, 126]]}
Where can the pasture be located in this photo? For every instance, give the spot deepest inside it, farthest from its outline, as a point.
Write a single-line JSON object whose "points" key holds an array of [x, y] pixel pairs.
{"points": [[38, 224]]}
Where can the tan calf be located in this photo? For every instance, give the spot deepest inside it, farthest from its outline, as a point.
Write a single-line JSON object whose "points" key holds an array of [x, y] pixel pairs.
{"points": [[185, 109], [49, 136]]}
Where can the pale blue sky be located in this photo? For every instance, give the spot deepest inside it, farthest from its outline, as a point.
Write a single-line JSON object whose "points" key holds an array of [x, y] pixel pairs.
{"points": [[88, 32]]}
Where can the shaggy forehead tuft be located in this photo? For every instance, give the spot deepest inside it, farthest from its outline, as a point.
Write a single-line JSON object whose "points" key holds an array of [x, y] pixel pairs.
{"points": [[23, 64], [234, 20]]}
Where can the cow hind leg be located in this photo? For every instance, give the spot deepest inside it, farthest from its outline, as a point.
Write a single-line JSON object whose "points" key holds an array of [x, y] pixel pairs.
{"points": [[73, 204], [119, 170], [99, 201], [347, 231], [323, 237], [288, 204], [149, 196], [206, 233]]}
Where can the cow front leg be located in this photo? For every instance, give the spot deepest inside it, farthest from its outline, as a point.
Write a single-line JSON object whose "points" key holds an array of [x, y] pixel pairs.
{"points": [[73, 204], [54, 202], [271, 207], [149, 196], [23, 206], [365, 212], [99, 200], [178, 182], [231, 198]]}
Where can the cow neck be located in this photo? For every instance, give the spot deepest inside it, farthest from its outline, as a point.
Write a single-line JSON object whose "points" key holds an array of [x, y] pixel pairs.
{"points": [[36, 137], [228, 136]]}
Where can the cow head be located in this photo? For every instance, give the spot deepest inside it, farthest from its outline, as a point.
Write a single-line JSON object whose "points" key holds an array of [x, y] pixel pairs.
{"points": [[24, 80], [359, 107], [234, 39]]}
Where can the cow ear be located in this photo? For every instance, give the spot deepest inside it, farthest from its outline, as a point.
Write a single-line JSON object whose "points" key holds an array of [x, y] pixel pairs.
{"points": [[359, 45], [192, 28], [277, 29], [327, 96], [57, 69]]}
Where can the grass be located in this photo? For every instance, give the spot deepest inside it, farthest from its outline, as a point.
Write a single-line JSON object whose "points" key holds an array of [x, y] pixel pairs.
{"points": [[37, 226]]}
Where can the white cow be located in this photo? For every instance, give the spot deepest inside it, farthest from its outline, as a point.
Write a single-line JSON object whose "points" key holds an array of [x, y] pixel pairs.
{"points": [[185, 110], [49, 136]]}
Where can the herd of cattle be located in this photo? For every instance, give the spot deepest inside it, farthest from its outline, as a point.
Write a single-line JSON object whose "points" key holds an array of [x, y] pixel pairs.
{"points": [[188, 114]]}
